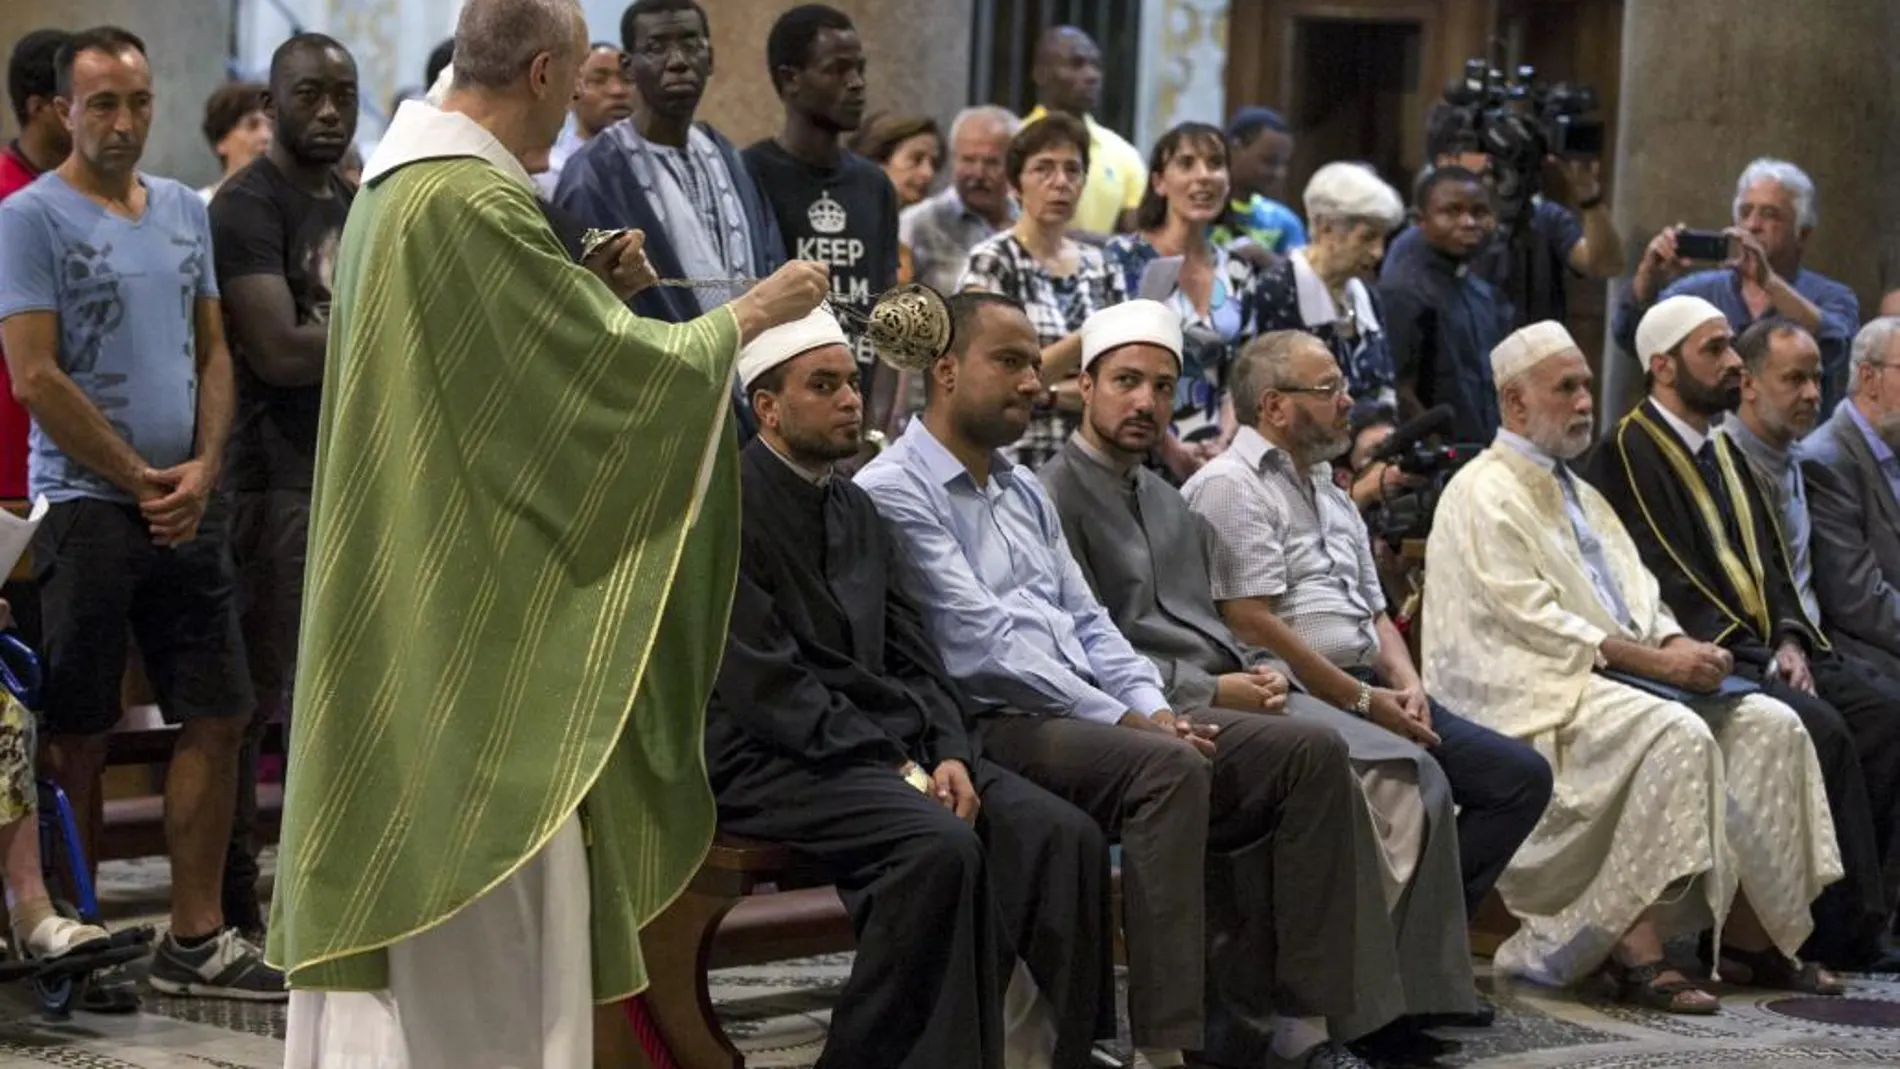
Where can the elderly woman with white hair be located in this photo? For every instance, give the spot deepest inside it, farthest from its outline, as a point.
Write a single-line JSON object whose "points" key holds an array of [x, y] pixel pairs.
{"points": [[1322, 288], [1759, 273]]}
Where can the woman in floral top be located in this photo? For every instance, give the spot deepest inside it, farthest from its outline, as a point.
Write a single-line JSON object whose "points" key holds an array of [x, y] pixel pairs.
{"points": [[1213, 292], [1322, 289], [1059, 281]]}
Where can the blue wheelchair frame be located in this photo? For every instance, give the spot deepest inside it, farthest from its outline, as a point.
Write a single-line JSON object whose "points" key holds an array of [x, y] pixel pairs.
{"points": [[21, 675], [62, 982]]}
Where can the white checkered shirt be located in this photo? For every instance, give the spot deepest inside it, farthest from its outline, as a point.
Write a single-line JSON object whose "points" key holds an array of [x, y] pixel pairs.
{"points": [[1294, 539]]}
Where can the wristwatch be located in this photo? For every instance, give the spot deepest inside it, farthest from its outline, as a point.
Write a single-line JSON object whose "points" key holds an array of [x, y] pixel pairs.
{"points": [[1363, 706]]}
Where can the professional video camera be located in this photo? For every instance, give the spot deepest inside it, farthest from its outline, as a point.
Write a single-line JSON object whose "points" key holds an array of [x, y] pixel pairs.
{"points": [[1409, 514], [1518, 122]]}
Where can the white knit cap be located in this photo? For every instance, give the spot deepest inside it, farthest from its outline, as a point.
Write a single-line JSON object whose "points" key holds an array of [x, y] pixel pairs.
{"points": [[1671, 320], [1128, 323], [1528, 347], [788, 341]]}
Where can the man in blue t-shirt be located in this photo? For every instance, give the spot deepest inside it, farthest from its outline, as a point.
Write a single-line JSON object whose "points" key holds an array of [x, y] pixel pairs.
{"points": [[112, 330]]}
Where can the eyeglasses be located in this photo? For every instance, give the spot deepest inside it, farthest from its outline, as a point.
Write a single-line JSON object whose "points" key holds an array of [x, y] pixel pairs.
{"points": [[1336, 388], [1050, 170]]}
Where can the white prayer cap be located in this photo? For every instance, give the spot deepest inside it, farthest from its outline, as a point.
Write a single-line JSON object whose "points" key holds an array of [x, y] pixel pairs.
{"points": [[1671, 320], [787, 342], [1128, 323], [1528, 347]]}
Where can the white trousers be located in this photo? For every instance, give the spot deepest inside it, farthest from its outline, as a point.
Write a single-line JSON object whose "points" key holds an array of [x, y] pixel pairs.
{"points": [[507, 983]]}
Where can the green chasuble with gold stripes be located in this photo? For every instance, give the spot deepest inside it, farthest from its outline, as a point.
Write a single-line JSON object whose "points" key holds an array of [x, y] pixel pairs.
{"points": [[523, 543]]}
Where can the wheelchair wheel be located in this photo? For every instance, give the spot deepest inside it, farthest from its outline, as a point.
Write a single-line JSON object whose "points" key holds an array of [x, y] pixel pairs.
{"points": [[59, 996]]}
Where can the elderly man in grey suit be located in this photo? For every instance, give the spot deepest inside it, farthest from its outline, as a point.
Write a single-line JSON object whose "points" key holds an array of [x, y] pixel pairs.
{"points": [[1142, 551], [1852, 467]]}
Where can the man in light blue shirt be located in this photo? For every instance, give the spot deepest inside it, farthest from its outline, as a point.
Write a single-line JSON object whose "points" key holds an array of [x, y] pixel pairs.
{"points": [[1067, 702], [114, 338]]}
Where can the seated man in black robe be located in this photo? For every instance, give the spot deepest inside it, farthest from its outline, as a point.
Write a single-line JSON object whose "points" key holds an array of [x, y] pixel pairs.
{"points": [[1703, 527], [834, 729]]}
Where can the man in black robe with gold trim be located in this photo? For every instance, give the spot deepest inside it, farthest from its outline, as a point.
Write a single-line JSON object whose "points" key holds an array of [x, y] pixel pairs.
{"points": [[834, 729], [1703, 528]]}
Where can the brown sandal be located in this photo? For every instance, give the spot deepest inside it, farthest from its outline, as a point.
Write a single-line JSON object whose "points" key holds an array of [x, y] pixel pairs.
{"points": [[1776, 971], [1637, 985]]}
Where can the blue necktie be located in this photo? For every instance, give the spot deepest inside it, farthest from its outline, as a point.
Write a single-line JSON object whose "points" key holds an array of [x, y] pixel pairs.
{"points": [[1712, 477], [1594, 561]]}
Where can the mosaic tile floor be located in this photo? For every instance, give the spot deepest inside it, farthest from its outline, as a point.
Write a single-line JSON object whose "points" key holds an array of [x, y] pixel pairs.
{"points": [[777, 1015]]}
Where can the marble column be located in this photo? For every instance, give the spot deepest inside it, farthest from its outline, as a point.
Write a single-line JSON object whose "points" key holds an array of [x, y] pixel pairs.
{"points": [[917, 55], [1708, 85], [187, 41]]}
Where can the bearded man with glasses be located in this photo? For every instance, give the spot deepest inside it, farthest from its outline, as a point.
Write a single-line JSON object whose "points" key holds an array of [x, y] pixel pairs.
{"points": [[1292, 572]]}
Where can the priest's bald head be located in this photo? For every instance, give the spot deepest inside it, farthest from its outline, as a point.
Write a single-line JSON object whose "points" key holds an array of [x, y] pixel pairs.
{"points": [[1131, 361], [515, 69], [1544, 386], [1689, 350], [802, 382]]}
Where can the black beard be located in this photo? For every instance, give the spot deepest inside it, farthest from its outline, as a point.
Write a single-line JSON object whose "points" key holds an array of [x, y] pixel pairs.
{"points": [[1706, 400], [815, 450]]}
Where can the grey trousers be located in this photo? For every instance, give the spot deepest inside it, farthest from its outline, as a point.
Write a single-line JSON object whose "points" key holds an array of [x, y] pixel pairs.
{"points": [[1237, 874]]}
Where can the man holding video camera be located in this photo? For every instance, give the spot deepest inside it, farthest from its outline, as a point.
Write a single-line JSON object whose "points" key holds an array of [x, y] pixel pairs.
{"points": [[1529, 273], [1760, 272]]}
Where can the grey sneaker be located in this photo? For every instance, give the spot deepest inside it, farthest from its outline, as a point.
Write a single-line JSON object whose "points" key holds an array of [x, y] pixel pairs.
{"points": [[229, 966]]}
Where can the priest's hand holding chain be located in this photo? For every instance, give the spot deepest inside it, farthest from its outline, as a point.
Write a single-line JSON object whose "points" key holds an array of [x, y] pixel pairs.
{"points": [[789, 294], [622, 264]]}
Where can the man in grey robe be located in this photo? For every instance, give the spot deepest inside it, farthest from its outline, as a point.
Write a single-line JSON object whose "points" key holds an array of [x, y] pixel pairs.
{"points": [[1142, 552]]}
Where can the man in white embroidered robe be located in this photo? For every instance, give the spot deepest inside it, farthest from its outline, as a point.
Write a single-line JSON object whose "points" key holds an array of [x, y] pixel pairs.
{"points": [[1665, 772]]}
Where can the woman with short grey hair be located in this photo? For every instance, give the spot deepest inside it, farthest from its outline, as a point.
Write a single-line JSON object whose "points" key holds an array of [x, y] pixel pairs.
{"points": [[1322, 288]]}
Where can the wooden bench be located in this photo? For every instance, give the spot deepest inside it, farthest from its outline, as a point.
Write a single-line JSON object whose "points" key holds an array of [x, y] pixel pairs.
{"points": [[134, 826], [749, 903]]}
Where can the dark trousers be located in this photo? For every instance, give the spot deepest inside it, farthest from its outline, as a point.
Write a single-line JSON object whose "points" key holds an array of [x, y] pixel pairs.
{"points": [[1868, 697], [942, 910], [269, 534], [1851, 913], [1258, 842], [1500, 786]]}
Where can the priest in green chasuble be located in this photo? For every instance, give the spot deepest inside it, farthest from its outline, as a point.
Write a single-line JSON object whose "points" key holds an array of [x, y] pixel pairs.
{"points": [[524, 540]]}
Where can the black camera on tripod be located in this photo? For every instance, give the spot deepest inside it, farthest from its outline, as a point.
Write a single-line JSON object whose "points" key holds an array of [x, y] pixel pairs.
{"points": [[1397, 517], [1518, 122]]}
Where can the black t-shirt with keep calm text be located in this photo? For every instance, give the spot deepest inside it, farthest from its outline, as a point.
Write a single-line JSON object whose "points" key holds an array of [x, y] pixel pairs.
{"points": [[844, 217], [261, 224]]}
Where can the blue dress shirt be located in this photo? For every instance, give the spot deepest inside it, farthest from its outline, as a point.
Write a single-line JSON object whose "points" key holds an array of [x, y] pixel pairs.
{"points": [[1004, 600]]}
